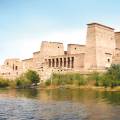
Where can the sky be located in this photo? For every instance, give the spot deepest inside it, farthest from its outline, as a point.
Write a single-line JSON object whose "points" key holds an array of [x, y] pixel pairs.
{"points": [[24, 24]]}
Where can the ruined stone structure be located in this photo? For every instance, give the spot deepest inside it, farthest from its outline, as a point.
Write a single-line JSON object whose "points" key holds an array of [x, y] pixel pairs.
{"points": [[101, 50], [11, 68]]}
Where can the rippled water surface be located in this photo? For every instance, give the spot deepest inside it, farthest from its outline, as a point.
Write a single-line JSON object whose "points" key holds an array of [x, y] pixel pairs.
{"points": [[59, 104]]}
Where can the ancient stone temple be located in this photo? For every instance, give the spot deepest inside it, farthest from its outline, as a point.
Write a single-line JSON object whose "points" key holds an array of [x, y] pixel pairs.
{"points": [[101, 50]]}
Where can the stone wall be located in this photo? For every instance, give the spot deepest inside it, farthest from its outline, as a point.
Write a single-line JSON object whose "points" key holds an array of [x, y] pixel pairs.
{"points": [[99, 53], [27, 64], [51, 49], [90, 54], [14, 64], [117, 39], [75, 49], [11, 68], [71, 62], [36, 60]]}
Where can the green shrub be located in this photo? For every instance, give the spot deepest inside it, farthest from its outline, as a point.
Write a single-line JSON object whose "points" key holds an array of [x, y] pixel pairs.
{"points": [[4, 82], [66, 79], [33, 76], [27, 79], [79, 79], [114, 75], [95, 77], [23, 82]]}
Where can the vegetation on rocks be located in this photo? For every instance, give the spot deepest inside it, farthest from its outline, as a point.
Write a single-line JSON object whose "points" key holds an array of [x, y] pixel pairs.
{"points": [[110, 78]]}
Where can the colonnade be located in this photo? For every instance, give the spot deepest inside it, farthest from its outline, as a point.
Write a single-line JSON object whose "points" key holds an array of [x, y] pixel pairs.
{"points": [[67, 62]]}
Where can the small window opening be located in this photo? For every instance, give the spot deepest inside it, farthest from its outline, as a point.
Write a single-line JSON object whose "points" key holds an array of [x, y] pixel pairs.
{"points": [[108, 60], [16, 67]]}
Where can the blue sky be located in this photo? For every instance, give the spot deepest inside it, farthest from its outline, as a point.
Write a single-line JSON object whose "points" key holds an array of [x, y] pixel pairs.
{"points": [[25, 23]]}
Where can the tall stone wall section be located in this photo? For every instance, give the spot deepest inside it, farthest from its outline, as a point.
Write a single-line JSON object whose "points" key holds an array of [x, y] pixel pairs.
{"points": [[90, 54], [100, 46], [116, 57], [117, 38]]}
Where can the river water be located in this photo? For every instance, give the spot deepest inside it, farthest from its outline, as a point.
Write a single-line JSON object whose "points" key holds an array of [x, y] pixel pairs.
{"points": [[59, 104]]}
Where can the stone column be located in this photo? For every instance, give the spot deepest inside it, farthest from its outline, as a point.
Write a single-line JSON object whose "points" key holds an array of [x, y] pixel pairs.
{"points": [[57, 62], [72, 62], [49, 62], [64, 61], [68, 62], [54, 62], [60, 62]]}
